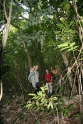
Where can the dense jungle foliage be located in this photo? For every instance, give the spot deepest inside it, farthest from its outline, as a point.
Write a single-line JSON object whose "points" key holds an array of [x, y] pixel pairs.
{"points": [[47, 33]]}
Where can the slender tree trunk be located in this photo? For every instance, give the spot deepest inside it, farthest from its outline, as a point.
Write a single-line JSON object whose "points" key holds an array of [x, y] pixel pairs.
{"points": [[66, 61], [69, 72], [4, 40], [28, 55], [1, 87], [41, 62]]}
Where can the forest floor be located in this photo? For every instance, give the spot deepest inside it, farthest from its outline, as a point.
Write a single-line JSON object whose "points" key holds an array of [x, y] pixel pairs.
{"points": [[12, 112]]}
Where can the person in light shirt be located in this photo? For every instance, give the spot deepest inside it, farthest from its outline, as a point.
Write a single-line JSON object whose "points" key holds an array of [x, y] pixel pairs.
{"points": [[34, 77]]}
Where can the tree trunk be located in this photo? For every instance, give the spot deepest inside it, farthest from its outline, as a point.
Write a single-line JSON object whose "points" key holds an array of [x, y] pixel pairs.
{"points": [[1, 87], [28, 55], [69, 73], [79, 27], [3, 44], [66, 61], [41, 62]]}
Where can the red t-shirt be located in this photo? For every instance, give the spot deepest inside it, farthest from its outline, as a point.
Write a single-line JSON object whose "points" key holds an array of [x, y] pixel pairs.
{"points": [[48, 78]]}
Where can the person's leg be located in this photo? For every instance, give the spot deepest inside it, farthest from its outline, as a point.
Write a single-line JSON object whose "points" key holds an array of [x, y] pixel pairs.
{"points": [[37, 85], [47, 86], [50, 88], [34, 85]]}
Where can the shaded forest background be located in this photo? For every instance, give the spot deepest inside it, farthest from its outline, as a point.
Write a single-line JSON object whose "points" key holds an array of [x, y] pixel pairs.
{"points": [[48, 33]]}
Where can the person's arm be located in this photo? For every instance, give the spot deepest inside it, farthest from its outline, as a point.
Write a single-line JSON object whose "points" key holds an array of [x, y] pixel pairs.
{"points": [[30, 75]]}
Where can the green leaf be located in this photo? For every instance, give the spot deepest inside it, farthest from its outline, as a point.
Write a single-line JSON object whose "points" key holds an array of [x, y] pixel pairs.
{"points": [[76, 0], [39, 93], [60, 25], [50, 105], [62, 20], [70, 106], [72, 44], [28, 105], [40, 5], [66, 7], [77, 115], [64, 48], [37, 103], [63, 45], [54, 98], [62, 101], [32, 94]]}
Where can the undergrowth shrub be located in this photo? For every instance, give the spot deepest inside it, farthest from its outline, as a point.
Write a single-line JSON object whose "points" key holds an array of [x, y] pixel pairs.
{"points": [[41, 102]]}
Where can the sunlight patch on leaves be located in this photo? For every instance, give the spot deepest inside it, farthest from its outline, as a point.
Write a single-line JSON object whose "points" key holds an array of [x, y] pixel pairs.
{"points": [[66, 46]]}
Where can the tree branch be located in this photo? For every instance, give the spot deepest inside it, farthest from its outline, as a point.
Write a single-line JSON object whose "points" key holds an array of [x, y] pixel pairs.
{"points": [[5, 9]]}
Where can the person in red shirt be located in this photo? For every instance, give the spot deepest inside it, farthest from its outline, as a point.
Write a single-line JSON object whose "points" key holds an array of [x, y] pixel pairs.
{"points": [[48, 78]]}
